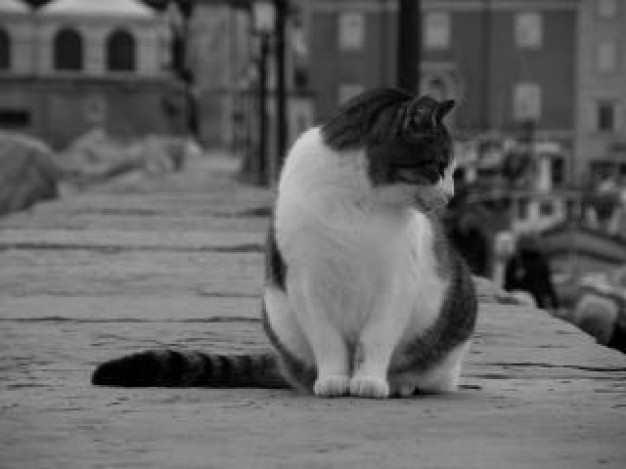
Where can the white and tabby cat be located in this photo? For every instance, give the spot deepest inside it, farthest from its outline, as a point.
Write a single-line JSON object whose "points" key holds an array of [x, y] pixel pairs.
{"points": [[364, 296]]}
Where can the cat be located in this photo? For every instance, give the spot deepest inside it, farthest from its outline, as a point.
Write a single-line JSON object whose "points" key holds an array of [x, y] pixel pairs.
{"points": [[364, 295]]}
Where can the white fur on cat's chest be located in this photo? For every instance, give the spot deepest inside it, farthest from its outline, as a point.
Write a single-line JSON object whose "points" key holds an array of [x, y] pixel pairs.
{"points": [[357, 271], [357, 256]]}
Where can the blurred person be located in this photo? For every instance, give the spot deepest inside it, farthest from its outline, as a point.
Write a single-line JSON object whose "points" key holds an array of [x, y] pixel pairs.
{"points": [[505, 248], [601, 309], [528, 270], [466, 226]]}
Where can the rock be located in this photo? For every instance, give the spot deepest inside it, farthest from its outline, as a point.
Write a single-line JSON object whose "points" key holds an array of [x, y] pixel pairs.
{"points": [[28, 173], [162, 154], [96, 157]]}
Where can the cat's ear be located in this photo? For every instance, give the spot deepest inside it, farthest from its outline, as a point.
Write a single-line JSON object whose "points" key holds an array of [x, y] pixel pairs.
{"points": [[420, 113], [442, 109]]}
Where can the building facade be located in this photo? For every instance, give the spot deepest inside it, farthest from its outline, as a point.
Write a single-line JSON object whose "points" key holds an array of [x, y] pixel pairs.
{"points": [[73, 65], [217, 56], [353, 46], [509, 64], [601, 112], [224, 59]]}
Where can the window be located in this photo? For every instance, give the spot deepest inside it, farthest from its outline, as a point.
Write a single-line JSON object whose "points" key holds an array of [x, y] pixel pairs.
{"points": [[528, 30], [437, 30], [351, 31], [522, 208], [5, 50], [605, 116], [120, 51], [527, 102], [546, 208], [347, 92], [68, 50], [606, 8], [607, 56], [558, 170], [14, 119], [572, 209]]}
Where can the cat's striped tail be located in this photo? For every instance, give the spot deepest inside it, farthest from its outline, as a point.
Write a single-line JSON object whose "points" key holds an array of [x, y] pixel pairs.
{"points": [[174, 368]]}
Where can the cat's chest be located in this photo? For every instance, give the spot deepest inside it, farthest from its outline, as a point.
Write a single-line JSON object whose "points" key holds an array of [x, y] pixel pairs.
{"points": [[359, 266], [356, 236], [371, 252]]}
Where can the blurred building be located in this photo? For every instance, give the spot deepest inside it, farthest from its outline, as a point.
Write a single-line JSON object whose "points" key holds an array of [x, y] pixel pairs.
{"points": [[223, 57], [218, 57], [547, 74], [510, 64], [353, 46], [601, 113], [73, 65]]}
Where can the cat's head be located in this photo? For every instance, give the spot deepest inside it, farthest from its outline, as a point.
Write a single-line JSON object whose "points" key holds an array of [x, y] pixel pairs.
{"points": [[407, 145]]}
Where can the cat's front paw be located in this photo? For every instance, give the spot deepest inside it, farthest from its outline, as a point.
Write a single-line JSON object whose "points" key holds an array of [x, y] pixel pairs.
{"points": [[331, 386], [368, 386]]}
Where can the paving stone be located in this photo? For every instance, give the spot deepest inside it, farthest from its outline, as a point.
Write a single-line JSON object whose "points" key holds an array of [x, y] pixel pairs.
{"points": [[538, 393]]}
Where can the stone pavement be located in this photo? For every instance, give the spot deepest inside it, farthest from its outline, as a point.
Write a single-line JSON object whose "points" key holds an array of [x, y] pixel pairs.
{"points": [[177, 261]]}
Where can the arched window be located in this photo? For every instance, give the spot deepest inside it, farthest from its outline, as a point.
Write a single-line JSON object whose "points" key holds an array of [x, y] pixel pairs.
{"points": [[5, 50], [121, 51], [68, 50]]}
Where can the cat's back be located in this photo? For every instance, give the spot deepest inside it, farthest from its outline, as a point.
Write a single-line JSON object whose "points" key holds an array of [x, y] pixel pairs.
{"points": [[311, 167], [298, 180], [318, 185], [305, 153]]}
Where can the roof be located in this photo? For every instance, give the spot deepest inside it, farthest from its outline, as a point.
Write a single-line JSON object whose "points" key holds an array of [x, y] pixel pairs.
{"points": [[13, 6], [124, 8]]}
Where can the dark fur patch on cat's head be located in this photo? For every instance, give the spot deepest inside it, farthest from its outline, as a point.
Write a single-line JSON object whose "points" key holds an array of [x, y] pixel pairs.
{"points": [[366, 118], [403, 135]]}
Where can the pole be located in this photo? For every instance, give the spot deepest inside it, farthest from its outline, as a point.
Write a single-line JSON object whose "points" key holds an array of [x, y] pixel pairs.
{"points": [[281, 88], [409, 45], [486, 89], [180, 57], [263, 166]]}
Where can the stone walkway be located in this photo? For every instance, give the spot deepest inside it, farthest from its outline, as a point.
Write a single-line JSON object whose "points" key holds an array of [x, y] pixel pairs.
{"points": [[177, 262]]}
